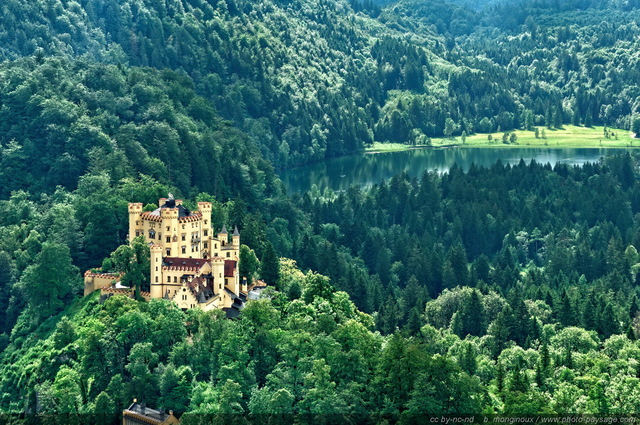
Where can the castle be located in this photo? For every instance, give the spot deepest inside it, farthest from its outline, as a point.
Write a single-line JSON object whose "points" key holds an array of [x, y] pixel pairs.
{"points": [[190, 265]]}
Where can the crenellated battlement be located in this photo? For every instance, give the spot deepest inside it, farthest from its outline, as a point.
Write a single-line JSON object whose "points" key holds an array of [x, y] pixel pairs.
{"points": [[169, 213]]}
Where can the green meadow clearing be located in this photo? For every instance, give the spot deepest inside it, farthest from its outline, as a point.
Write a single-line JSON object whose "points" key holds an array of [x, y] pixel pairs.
{"points": [[567, 137]]}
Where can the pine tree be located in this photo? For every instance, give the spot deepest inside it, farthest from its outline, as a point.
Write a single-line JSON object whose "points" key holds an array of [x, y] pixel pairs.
{"points": [[520, 327], [500, 330], [539, 376], [473, 315], [456, 325], [568, 358], [608, 322], [588, 120], [519, 381], [633, 308], [566, 315], [545, 359], [270, 265], [630, 333], [500, 377], [468, 358], [575, 119], [415, 321]]}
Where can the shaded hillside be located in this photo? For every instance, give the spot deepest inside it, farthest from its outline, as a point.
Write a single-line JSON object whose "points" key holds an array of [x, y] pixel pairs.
{"points": [[555, 63], [309, 351]]}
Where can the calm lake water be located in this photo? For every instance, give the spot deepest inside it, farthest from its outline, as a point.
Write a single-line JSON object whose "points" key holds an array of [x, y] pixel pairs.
{"points": [[368, 169]]}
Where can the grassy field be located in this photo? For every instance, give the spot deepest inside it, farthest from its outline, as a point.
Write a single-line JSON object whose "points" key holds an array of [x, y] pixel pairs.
{"points": [[568, 137]]}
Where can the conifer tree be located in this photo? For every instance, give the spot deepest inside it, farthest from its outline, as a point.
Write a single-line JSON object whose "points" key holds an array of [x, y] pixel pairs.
{"points": [[270, 266], [473, 315], [468, 358]]}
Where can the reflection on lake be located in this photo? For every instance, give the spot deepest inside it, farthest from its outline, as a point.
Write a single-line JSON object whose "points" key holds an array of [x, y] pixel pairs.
{"points": [[368, 169]]}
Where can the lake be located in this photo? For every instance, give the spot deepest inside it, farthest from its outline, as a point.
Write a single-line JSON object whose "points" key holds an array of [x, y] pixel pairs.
{"points": [[371, 168]]}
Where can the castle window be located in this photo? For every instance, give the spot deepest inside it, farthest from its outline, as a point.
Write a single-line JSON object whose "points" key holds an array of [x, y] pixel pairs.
{"points": [[222, 243], [183, 226], [156, 279], [175, 279], [184, 236], [175, 238], [206, 245], [206, 222], [206, 233], [168, 279], [156, 266], [228, 254], [168, 239], [168, 253], [168, 228], [137, 223], [184, 249], [152, 234], [137, 233], [215, 245]]}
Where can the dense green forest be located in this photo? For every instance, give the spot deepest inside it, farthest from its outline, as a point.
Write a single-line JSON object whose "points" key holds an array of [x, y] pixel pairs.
{"points": [[522, 300], [501, 290], [307, 80]]}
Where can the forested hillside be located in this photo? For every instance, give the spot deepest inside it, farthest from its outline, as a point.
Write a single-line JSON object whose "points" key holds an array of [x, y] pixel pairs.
{"points": [[508, 289], [307, 80]]}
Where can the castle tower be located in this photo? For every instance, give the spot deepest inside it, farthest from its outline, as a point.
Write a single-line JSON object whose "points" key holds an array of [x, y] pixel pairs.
{"points": [[169, 231], [223, 236], [204, 208], [236, 238], [135, 223], [156, 271], [217, 271], [236, 244]]}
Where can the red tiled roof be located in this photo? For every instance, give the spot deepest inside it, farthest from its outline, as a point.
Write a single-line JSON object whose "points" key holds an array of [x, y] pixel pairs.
{"points": [[229, 268], [147, 215], [184, 263]]}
